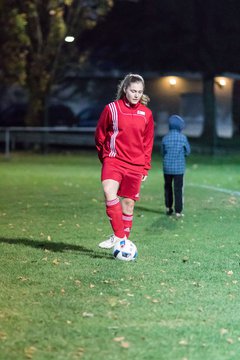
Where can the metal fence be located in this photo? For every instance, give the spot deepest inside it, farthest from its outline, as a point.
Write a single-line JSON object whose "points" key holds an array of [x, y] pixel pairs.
{"points": [[45, 136]]}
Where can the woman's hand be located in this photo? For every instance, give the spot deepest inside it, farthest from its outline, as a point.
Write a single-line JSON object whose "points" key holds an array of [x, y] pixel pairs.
{"points": [[144, 177]]}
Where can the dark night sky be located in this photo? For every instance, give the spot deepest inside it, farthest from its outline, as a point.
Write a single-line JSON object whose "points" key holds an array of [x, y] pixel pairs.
{"points": [[168, 35]]}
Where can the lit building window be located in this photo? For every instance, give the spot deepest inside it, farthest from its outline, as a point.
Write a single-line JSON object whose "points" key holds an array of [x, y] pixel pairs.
{"points": [[172, 81], [221, 82]]}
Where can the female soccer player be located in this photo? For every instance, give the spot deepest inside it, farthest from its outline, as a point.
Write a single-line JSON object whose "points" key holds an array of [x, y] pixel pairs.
{"points": [[124, 140]]}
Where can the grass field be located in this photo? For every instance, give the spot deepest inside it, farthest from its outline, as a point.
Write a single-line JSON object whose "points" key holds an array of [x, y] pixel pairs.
{"points": [[63, 298]]}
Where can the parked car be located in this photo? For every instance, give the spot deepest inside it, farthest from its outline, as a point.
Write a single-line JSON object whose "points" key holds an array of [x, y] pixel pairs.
{"points": [[13, 115], [60, 115], [88, 117]]}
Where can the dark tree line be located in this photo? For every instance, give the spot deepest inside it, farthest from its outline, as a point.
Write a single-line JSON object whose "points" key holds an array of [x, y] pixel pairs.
{"points": [[166, 35]]}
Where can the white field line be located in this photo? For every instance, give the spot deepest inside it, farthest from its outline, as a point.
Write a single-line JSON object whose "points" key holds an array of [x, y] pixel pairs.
{"points": [[226, 191]]}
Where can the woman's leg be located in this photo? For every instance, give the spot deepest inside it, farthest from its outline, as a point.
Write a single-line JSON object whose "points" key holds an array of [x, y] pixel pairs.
{"points": [[128, 208], [113, 206]]}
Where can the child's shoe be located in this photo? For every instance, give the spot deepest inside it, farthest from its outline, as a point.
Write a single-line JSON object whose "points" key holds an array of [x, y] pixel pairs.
{"points": [[169, 211], [179, 215]]}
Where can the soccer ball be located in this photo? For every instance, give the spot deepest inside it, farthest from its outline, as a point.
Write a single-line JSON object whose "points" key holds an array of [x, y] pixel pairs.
{"points": [[125, 250]]}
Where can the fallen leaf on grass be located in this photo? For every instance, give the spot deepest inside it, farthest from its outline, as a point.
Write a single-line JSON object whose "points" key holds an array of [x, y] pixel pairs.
{"points": [[56, 262], [87, 315], [183, 342], [223, 331], [49, 238], [230, 273], [3, 335], [125, 344], [29, 352], [232, 200], [230, 341], [78, 353], [124, 302], [22, 278], [108, 281], [119, 338]]}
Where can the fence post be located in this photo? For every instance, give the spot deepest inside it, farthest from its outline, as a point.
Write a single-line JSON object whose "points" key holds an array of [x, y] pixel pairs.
{"points": [[7, 143]]}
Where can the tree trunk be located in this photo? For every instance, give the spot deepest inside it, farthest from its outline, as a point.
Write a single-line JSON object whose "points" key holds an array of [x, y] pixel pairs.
{"points": [[34, 116], [38, 83]]}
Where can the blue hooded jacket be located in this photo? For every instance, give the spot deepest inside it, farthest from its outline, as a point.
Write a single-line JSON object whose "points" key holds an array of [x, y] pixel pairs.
{"points": [[175, 147]]}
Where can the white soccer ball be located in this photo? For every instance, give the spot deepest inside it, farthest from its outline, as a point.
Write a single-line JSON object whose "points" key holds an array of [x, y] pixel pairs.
{"points": [[125, 250]]}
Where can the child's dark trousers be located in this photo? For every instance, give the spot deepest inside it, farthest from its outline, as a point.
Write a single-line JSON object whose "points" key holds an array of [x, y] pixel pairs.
{"points": [[173, 184]]}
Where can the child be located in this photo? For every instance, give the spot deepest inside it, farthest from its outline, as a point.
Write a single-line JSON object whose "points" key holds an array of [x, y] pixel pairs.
{"points": [[175, 147]]}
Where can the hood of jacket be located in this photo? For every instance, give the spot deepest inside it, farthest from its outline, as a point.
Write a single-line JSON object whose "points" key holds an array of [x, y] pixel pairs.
{"points": [[176, 123]]}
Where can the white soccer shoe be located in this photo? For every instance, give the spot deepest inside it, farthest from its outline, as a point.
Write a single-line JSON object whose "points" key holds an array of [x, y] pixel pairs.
{"points": [[109, 243]]}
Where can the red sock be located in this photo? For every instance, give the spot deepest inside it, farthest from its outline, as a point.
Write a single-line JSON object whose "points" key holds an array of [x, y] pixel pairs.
{"points": [[114, 213], [127, 221]]}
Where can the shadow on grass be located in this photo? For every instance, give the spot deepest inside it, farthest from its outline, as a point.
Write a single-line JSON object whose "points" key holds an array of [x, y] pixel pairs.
{"points": [[56, 247], [142, 208]]}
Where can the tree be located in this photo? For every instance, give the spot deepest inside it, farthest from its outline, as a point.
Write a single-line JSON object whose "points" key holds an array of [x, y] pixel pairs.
{"points": [[33, 43], [13, 43]]}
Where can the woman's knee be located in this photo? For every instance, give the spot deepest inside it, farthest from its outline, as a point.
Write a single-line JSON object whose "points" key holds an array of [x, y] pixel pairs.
{"points": [[110, 189], [128, 205]]}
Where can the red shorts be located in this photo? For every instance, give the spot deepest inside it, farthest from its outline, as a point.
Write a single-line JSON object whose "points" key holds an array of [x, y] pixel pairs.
{"points": [[130, 181]]}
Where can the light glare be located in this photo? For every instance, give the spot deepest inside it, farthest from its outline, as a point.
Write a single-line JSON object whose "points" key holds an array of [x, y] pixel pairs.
{"points": [[172, 81], [69, 38]]}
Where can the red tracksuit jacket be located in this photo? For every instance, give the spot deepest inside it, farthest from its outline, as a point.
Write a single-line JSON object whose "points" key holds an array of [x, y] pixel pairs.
{"points": [[126, 132]]}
